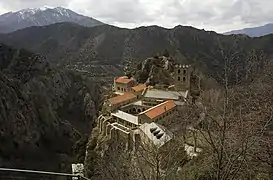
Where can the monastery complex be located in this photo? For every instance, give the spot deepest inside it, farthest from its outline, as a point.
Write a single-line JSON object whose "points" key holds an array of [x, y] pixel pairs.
{"points": [[137, 110]]}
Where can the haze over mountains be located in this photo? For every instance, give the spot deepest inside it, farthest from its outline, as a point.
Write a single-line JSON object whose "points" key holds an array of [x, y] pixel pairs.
{"points": [[255, 31], [13, 21]]}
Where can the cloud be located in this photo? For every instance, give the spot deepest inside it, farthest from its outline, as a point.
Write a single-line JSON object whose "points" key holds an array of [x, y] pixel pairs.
{"points": [[218, 15], [2, 9], [16, 5], [112, 11]]}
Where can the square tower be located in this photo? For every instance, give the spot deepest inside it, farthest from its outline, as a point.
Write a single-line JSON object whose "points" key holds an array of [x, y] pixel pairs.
{"points": [[182, 76]]}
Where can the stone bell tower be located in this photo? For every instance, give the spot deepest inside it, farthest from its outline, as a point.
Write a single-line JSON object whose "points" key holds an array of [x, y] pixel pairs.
{"points": [[182, 75]]}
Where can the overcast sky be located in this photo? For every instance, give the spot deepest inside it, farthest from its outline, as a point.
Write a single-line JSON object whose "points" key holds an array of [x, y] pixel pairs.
{"points": [[217, 15]]}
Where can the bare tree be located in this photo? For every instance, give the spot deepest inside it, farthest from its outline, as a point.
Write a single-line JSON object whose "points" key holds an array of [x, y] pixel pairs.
{"points": [[147, 161], [235, 127], [160, 162]]}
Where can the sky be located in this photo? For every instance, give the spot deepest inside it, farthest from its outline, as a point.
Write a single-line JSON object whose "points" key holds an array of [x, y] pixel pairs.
{"points": [[217, 15]]}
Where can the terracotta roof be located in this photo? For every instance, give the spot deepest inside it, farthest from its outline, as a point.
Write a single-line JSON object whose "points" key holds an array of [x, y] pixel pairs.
{"points": [[121, 98], [123, 80], [159, 109], [139, 87]]}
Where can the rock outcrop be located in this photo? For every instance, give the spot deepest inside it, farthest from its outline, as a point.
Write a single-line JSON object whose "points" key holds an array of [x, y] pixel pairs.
{"points": [[155, 70]]}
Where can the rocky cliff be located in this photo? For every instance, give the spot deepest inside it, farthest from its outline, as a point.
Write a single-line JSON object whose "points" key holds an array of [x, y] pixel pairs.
{"points": [[45, 112], [154, 70]]}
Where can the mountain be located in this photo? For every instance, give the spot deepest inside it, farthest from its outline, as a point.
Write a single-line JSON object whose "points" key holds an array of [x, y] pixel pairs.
{"points": [[48, 107], [13, 21], [45, 112], [104, 51], [255, 31]]}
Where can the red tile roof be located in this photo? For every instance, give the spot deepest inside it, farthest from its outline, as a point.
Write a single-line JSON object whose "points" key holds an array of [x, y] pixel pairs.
{"points": [[159, 109], [123, 80], [122, 98], [139, 87]]}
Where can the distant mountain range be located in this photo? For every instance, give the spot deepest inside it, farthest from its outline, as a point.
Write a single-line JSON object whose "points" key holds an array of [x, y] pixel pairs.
{"points": [[13, 21], [255, 31], [107, 49]]}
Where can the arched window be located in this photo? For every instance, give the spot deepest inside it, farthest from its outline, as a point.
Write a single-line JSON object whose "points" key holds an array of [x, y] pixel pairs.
{"points": [[178, 71], [178, 78]]}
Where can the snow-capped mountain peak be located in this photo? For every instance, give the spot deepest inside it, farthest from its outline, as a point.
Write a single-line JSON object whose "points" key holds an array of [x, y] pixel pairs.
{"points": [[62, 11], [26, 12], [42, 16], [32, 11]]}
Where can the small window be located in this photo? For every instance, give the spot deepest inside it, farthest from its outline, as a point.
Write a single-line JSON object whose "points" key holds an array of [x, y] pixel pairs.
{"points": [[118, 88], [178, 78], [184, 79], [178, 71], [185, 71]]}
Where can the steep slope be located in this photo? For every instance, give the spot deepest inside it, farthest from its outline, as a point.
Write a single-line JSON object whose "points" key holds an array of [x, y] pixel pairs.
{"points": [[85, 49], [44, 112], [255, 31], [13, 21]]}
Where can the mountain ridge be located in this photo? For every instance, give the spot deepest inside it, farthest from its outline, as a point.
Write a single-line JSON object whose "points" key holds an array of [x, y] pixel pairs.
{"points": [[12, 21], [86, 49]]}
